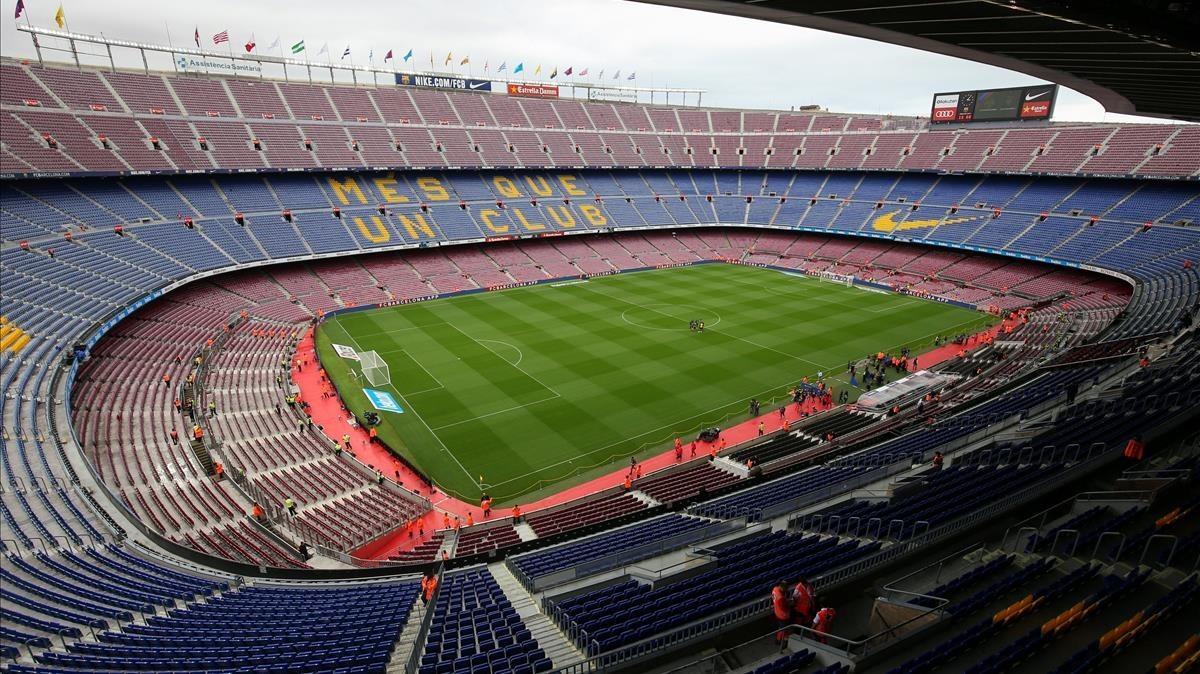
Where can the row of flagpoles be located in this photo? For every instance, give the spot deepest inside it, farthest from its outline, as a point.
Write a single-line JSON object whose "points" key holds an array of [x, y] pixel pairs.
{"points": [[300, 50]]}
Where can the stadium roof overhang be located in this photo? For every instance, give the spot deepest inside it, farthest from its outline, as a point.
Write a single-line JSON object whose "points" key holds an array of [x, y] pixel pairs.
{"points": [[1133, 56]]}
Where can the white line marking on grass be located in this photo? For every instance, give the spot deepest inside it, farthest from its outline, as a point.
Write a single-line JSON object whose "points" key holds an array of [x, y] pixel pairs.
{"points": [[492, 414], [424, 369], [886, 308], [412, 409], [568, 283], [625, 318], [520, 369], [520, 354], [741, 339]]}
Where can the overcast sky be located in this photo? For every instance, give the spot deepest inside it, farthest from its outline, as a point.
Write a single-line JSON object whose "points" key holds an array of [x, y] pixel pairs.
{"points": [[739, 62]]}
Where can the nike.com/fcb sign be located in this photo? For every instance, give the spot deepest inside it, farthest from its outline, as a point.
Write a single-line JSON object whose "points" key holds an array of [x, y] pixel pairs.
{"points": [[437, 82], [995, 105]]}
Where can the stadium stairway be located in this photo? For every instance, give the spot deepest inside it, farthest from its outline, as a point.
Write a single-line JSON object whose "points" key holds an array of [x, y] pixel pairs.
{"points": [[558, 648], [398, 663]]}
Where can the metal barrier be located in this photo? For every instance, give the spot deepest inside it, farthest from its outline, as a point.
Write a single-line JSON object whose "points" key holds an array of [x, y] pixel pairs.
{"points": [[414, 658], [758, 608]]}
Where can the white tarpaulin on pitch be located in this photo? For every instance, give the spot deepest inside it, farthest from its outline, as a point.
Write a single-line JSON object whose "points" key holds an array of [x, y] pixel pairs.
{"points": [[345, 351]]}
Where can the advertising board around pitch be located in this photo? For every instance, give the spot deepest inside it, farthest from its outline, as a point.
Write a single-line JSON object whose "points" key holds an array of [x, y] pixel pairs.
{"points": [[383, 401]]}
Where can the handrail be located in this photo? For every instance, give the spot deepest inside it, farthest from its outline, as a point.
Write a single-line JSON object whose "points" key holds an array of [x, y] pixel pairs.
{"points": [[414, 658]]}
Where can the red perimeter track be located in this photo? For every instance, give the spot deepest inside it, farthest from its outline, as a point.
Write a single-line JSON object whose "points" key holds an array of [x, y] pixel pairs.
{"points": [[331, 416]]}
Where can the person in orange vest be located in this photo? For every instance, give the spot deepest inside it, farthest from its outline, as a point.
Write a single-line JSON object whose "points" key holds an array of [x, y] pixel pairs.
{"points": [[470, 519], [804, 599], [372, 434], [1135, 449], [628, 482], [693, 449], [197, 432], [485, 504], [445, 520], [257, 512], [457, 524], [783, 613], [429, 585], [174, 436], [678, 450], [823, 623], [516, 513], [219, 470]]}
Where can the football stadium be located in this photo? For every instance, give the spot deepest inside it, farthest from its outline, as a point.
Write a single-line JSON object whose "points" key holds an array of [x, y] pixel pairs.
{"points": [[370, 364]]}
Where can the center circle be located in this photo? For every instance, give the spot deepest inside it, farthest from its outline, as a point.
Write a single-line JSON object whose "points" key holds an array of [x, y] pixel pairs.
{"points": [[670, 317]]}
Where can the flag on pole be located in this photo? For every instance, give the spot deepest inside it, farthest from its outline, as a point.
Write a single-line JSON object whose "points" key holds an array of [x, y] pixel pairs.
{"points": [[408, 56], [520, 68], [583, 72], [346, 52], [20, 9], [388, 56], [298, 47], [196, 37], [538, 69], [449, 58], [485, 65], [567, 71], [617, 75], [601, 75], [60, 17], [632, 76], [221, 37], [250, 44], [371, 55], [554, 73], [324, 49], [465, 61], [503, 67], [275, 44]]}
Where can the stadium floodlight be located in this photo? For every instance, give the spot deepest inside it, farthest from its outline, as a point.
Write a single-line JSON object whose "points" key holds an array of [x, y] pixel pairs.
{"points": [[374, 369]]}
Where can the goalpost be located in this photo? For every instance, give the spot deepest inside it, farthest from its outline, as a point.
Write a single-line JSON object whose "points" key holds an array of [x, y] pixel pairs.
{"points": [[374, 369], [841, 279]]}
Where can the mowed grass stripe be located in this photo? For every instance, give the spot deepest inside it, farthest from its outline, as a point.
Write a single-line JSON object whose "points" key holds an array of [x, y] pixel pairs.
{"points": [[608, 368]]}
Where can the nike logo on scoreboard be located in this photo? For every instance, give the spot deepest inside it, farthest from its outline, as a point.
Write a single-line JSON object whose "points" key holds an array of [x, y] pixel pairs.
{"points": [[1030, 97]]}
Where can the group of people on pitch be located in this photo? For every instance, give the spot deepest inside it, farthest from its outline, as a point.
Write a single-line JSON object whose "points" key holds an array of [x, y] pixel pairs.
{"points": [[797, 605], [696, 325]]}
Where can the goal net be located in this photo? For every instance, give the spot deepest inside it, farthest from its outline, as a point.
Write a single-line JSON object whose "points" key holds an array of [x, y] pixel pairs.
{"points": [[836, 278], [374, 369]]}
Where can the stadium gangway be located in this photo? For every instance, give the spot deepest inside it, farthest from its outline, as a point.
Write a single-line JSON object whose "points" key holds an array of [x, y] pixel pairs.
{"points": [[627, 556], [759, 608], [1065, 507]]}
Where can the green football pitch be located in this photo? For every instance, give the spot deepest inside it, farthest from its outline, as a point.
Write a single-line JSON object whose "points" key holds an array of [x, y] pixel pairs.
{"points": [[539, 387]]}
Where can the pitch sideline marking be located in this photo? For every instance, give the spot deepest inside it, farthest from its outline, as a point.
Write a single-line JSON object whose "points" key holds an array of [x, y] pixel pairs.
{"points": [[424, 423]]}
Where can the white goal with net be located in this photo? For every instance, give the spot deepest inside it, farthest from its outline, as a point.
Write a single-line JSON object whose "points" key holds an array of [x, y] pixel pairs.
{"points": [[374, 369], [841, 279]]}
